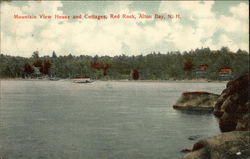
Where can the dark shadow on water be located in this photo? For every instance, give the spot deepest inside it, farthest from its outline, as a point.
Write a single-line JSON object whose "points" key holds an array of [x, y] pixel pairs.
{"points": [[200, 112], [195, 137]]}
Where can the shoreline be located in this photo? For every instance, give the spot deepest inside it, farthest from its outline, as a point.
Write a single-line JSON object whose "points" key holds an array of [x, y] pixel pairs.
{"points": [[123, 80]]}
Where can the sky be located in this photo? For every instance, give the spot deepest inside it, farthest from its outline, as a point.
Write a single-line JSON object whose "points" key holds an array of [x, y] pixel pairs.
{"points": [[212, 24]]}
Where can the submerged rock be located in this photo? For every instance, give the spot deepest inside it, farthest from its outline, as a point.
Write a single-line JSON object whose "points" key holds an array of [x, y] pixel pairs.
{"points": [[229, 145], [196, 101]]}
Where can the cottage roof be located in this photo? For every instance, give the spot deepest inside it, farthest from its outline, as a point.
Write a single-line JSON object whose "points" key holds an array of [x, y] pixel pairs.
{"points": [[225, 70], [203, 67]]}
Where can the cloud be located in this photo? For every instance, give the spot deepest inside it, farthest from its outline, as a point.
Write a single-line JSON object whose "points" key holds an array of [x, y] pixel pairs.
{"points": [[42, 7], [240, 11], [197, 28], [204, 25], [200, 23]]}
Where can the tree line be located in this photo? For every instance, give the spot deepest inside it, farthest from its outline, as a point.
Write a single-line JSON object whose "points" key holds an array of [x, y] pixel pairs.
{"points": [[154, 66]]}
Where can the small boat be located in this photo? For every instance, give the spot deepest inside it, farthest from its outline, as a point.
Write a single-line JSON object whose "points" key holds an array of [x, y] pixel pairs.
{"points": [[82, 80]]}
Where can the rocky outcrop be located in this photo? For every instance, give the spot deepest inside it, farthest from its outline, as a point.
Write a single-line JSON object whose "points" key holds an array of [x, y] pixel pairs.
{"points": [[229, 145], [196, 101], [232, 109]]}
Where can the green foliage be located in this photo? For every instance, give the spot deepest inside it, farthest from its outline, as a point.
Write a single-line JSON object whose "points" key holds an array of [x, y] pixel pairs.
{"points": [[150, 67], [35, 55]]}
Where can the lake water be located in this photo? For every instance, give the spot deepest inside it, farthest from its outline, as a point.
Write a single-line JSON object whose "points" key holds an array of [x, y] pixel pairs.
{"points": [[100, 120]]}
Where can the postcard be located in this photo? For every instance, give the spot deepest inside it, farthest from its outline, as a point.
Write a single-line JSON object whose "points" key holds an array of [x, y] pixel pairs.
{"points": [[124, 79]]}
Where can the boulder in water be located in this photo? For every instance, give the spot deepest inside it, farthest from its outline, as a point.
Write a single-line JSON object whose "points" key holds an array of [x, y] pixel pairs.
{"points": [[229, 145], [233, 106], [232, 109], [196, 101]]}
